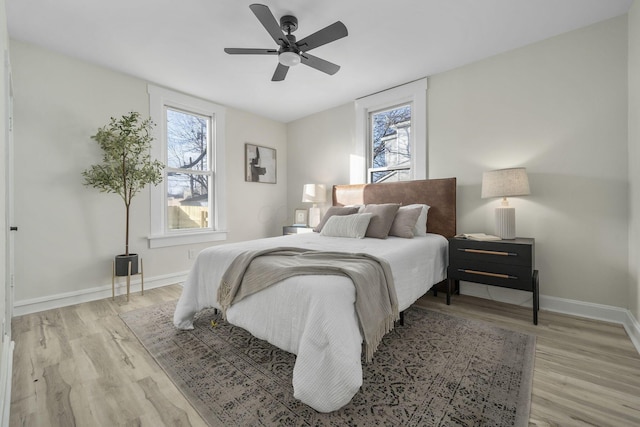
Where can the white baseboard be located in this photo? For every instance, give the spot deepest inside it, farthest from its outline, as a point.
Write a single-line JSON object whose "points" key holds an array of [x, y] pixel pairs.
{"points": [[589, 310], [35, 305], [632, 326]]}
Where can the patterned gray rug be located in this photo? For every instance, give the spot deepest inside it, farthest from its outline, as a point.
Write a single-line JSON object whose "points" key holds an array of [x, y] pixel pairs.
{"points": [[437, 370]]}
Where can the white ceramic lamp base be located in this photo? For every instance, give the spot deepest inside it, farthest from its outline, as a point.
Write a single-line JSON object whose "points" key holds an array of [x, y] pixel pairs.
{"points": [[314, 216], [506, 222]]}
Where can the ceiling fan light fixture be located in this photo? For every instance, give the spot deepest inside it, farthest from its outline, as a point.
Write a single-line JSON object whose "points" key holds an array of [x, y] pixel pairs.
{"points": [[290, 51], [290, 59]]}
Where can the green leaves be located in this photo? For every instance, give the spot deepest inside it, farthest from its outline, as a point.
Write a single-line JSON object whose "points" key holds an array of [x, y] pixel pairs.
{"points": [[126, 165]]}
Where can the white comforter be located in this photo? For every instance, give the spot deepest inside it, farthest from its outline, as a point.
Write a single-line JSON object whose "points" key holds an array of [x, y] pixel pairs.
{"points": [[314, 316]]}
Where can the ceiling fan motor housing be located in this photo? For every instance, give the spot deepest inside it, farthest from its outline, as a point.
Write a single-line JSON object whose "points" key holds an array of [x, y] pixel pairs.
{"points": [[292, 44], [289, 23]]}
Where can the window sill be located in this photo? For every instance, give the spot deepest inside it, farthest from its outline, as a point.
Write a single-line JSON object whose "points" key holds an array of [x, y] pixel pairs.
{"points": [[167, 240]]}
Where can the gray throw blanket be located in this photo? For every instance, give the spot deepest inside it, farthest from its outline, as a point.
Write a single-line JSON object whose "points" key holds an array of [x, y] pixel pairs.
{"points": [[376, 301]]}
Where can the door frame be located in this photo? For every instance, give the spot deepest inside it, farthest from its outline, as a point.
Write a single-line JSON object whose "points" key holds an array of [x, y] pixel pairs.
{"points": [[9, 200]]}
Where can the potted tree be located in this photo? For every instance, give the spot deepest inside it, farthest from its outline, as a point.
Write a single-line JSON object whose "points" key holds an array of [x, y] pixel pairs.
{"points": [[126, 169]]}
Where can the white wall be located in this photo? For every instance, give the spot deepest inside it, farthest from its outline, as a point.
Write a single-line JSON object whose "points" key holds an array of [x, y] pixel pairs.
{"points": [[255, 209], [320, 147], [69, 233], [557, 107], [634, 158]]}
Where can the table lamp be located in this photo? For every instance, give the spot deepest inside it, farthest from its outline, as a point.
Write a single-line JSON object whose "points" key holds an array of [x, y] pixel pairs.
{"points": [[314, 193], [505, 183]]}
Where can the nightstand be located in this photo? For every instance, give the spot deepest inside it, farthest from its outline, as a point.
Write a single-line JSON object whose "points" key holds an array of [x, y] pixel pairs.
{"points": [[505, 263], [296, 229]]}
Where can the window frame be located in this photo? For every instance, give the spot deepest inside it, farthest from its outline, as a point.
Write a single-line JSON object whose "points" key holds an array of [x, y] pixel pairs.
{"points": [[159, 100], [414, 93]]}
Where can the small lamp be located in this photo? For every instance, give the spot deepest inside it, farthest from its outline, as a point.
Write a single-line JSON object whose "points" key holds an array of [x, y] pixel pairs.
{"points": [[505, 183], [314, 193]]}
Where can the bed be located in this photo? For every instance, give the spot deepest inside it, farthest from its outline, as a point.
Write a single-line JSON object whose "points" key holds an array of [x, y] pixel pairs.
{"points": [[313, 316]]}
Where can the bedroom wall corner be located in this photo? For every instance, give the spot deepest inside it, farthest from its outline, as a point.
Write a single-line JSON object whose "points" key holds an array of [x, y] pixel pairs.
{"points": [[67, 230], [320, 147], [255, 209], [634, 160], [559, 108], [69, 233]]}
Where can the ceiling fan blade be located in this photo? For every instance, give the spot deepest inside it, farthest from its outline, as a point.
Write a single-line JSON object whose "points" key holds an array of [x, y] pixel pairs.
{"points": [[248, 51], [319, 64], [333, 32], [280, 74], [269, 22]]}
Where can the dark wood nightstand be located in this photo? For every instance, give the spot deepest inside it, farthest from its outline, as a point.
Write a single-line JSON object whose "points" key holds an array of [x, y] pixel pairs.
{"points": [[505, 263], [296, 229]]}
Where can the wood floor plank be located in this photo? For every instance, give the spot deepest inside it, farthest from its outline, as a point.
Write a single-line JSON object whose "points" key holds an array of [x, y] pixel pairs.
{"points": [[583, 392], [81, 365], [170, 413], [58, 393]]}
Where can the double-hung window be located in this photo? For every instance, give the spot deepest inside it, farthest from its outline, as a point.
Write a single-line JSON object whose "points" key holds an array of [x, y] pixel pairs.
{"points": [[391, 134], [188, 207], [390, 144]]}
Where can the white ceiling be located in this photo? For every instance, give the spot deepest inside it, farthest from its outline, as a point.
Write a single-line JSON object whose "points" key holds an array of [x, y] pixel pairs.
{"points": [[179, 43]]}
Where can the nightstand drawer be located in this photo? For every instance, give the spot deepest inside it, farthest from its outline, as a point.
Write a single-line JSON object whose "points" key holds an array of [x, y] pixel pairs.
{"points": [[493, 252], [504, 263], [505, 275]]}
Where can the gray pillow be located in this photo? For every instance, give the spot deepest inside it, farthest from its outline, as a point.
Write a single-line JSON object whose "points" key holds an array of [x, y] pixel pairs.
{"points": [[405, 221], [354, 226], [335, 210], [381, 220], [421, 225]]}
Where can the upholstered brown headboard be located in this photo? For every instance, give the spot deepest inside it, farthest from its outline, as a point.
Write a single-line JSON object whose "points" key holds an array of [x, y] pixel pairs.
{"points": [[439, 194]]}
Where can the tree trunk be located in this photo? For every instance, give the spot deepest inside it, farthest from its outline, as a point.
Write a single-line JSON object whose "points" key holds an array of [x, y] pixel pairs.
{"points": [[126, 236]]}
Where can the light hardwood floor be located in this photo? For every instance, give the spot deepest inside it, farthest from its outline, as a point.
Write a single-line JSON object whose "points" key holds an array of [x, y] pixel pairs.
{"points": [[81, 366], [587, 373]]}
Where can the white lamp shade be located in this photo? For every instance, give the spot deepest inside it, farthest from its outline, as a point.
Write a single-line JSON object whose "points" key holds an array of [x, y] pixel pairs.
{"points": [[505, 183], [314, 193]]}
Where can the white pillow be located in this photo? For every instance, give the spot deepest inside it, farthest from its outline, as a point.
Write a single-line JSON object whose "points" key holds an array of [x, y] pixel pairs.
{"points": [[420, 229], [354, 225]]}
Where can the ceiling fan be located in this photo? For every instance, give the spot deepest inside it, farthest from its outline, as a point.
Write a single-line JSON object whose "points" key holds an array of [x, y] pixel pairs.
{"points": [[290, 51]]}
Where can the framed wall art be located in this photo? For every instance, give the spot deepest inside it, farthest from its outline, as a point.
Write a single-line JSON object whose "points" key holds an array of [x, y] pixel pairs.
{"points": [[300, 217], [260, 164]]}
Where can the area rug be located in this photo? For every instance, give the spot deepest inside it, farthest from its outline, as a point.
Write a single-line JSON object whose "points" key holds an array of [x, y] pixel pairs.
{"points": [[437, 370]]}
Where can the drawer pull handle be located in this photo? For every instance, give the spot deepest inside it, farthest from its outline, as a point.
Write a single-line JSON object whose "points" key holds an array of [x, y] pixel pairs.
{"points": [[481, 251], [484, 273]]}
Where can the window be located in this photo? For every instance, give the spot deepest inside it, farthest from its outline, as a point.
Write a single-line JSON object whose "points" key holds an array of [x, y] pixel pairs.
{"points": [[188, 173], [390, 148], [391, 135], [188, 207]]}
